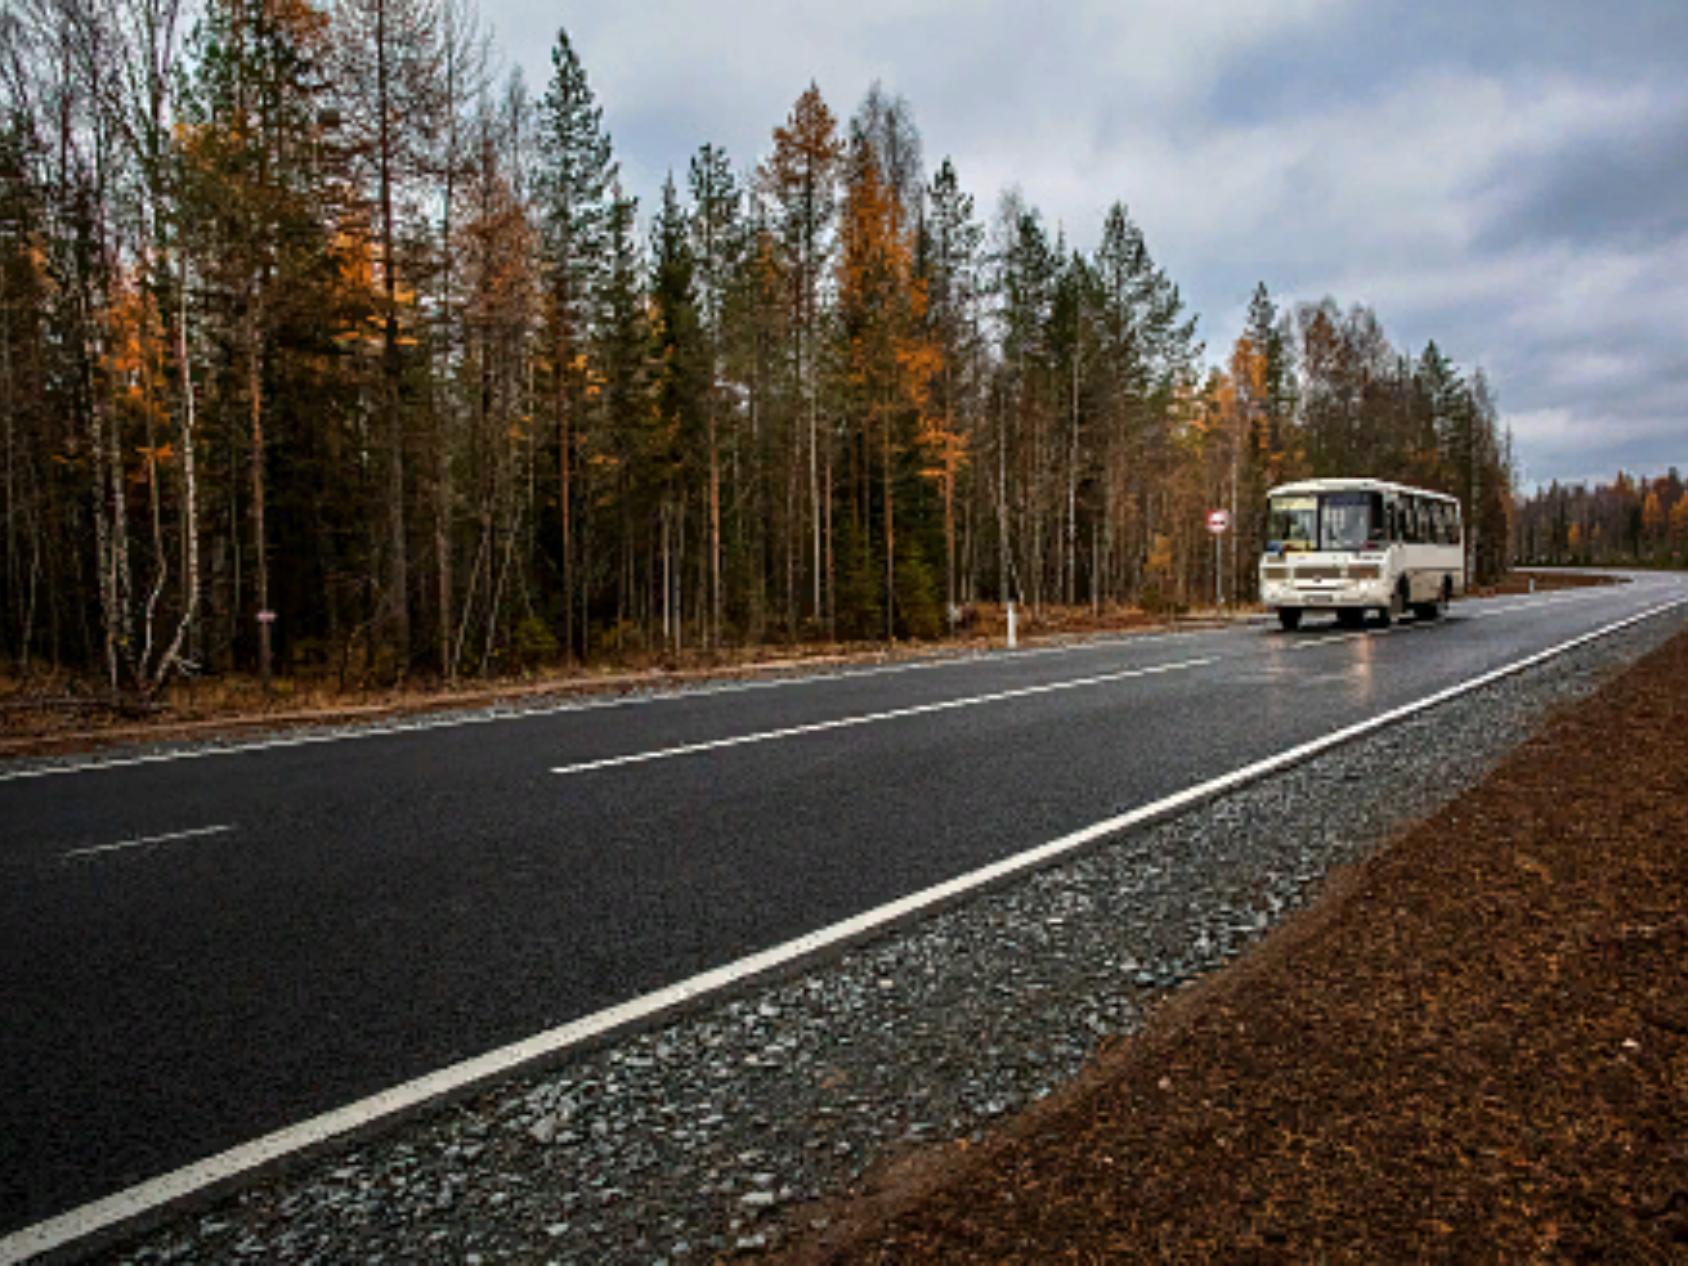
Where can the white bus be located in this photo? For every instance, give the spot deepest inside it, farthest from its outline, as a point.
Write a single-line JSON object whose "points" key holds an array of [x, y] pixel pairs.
{"points": [[1354, 546]]}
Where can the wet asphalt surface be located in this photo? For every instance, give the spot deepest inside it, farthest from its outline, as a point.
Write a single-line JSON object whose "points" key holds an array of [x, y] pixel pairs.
{"points": [[377, 907]]}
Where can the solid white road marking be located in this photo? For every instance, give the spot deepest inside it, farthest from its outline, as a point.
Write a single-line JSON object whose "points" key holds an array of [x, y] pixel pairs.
{"points": [[144, 1197], [192, 833], [869, 718]]}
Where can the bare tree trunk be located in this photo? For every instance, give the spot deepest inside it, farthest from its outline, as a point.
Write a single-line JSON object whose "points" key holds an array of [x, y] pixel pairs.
{"points": [[716, 600], [103, 544], [398, 568], [260, 546], [830, 592], [667, 578], [155, 508], [1070, 593], [791, 534], [565, 446], [8, 408], [890, 535], [190, 488], [815, 493], [1003, 559]]}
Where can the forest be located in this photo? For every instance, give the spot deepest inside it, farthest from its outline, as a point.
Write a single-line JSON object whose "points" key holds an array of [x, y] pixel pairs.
{"points": [[327, 347], [1633, 520]]}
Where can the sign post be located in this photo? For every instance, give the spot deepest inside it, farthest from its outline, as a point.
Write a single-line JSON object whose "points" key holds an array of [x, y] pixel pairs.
{"points": [[1218, 523]]}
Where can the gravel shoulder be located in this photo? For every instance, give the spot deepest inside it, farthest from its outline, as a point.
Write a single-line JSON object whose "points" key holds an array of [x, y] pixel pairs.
{"points": [[1473, 1047], [732, 1129]]}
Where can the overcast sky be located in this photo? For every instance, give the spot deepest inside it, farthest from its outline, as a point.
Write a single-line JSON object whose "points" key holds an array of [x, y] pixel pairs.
{"points": [[1510, 179]]}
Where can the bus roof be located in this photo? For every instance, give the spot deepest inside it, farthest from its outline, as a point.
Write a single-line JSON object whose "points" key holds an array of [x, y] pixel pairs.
{"points": [[1307, 486]]}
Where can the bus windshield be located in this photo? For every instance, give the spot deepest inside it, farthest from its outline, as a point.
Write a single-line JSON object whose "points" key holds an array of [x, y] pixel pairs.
{"points": [[1292, 524], [1349, 520]]}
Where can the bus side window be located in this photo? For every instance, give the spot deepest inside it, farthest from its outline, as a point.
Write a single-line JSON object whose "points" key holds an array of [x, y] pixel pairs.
{"points": [[1411, 533]]}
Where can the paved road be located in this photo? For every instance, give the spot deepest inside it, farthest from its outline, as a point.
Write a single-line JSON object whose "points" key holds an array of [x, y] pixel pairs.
{"points": [[194, 951]]}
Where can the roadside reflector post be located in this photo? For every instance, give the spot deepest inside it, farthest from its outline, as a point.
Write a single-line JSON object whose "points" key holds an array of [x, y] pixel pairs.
{"points": [[1012, 640]]}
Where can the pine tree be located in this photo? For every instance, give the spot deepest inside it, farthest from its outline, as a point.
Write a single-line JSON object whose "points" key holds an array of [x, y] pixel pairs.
{"points": [[624, 437], [951, 243], [1268, 388], [717, 247], [391, 74], [801, 179], [253, 214], [682, 386], [571, 188]]}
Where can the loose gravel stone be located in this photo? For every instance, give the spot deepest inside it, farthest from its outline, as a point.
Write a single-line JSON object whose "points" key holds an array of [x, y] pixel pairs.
{"points": [[679, 1143]]}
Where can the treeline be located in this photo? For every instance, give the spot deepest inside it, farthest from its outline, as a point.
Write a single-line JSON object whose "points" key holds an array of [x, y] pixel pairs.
{"points": [[321, 350], [1633, 519]]}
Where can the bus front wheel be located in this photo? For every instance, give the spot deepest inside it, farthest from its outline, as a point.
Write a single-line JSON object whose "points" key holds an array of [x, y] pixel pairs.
{"points": [[1290, 618], [1397, 606]]}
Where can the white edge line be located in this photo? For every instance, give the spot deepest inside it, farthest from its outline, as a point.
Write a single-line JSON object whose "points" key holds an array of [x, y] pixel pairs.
{"points": [[145, 1197], [869, 718], [192, 833]]}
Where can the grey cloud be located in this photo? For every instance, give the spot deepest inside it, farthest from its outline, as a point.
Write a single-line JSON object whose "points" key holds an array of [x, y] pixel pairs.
{"points": [[1627, 186]]}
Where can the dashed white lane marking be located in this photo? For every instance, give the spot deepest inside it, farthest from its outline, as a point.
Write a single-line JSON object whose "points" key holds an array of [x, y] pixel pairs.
{"points": [[871, 718], [1535, 604], [660, 694], [146, 1197], [166, 837]]}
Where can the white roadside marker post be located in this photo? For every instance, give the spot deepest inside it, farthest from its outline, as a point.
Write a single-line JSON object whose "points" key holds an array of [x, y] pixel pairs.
{"points": [[1013, 641]]}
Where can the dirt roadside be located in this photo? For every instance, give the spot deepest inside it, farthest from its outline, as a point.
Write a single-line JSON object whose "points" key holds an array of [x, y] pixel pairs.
{"points": [[1473, 1047]]}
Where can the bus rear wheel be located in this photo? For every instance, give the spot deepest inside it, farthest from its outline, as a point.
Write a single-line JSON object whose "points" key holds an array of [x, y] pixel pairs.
{"points": [[1437, 609], [1290, 618]]}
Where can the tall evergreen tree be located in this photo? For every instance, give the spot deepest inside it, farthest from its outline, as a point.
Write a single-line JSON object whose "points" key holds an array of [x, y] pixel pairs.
{"points": [[572, 191], [682, 374], [717, 248], [390, 63], [950, 261], [801, 178]]}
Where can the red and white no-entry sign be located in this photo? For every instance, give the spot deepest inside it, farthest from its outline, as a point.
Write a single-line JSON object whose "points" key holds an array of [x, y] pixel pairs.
{"points": [[1218, 521]]}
